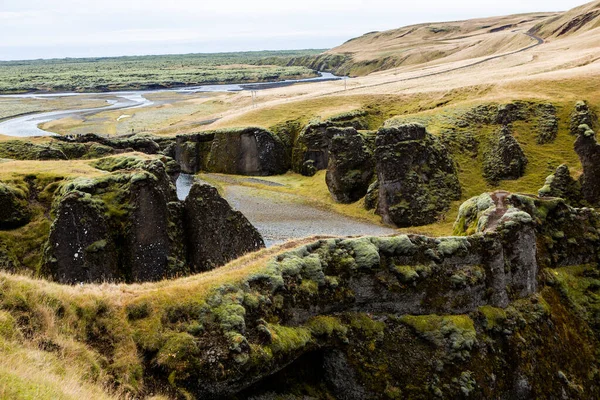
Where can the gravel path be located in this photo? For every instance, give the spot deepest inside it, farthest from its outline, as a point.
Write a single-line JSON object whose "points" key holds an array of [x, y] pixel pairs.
{"points": [[280, 217]]}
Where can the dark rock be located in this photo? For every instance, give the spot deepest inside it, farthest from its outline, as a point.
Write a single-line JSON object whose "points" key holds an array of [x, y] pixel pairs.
{"points": [[417, 178], [505, 159], [14, 211], [511, 112], [351, 166], [117, 227], [248, 151], [191, 151], [588, 150], [215, 232], [372, 196], [582, 115], [311, 150], [562, 185], [151, 253], [81, 247]]}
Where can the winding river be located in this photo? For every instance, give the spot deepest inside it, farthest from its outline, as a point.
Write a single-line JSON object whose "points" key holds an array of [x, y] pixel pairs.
{"points": [[27, 125]]}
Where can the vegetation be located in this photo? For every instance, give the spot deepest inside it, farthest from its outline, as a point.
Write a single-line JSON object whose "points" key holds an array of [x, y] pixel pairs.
{"points": [[147, 72]]}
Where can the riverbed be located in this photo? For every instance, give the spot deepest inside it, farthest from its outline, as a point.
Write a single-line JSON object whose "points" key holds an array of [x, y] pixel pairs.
{"points": [[28, 125], [280, 217]]}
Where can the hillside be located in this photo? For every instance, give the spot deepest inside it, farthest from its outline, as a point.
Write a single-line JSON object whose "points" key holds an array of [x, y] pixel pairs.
{"points": [[437, 43]]}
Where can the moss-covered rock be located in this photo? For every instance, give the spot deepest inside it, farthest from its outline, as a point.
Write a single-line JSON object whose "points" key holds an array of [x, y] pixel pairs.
{"points": [[311, 149], [505, 159], [561, 184], [248, 151], [588, 150], [14, 210], [117, 227], [191, 151], [217, 234], [351, 166], [24, 150], [582, 115], [417, 178]]}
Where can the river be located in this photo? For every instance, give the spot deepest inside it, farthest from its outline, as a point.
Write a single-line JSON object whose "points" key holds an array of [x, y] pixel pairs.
{"points": [[27, 126]]}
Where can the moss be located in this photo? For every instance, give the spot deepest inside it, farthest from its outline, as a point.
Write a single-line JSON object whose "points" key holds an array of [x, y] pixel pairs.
{"points": [[327, 326], [286, 340], [456, 332], [406, 273], [365, 253], [395, 245], [231, 317], [452, 245], [494, 317]]}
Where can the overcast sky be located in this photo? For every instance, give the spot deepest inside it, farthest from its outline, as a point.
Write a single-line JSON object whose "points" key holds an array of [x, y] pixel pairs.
{"points": [[76, 28]]}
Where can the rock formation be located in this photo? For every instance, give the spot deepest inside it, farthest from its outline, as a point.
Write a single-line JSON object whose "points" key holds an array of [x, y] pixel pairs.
{"points": [[582, 115], [14, 211], [561, 184], [505, 159], [311, 151], [351, 166], [129, 226], [249, 151], [191, 151], [588, 150], [417, 178], [215, 232]]}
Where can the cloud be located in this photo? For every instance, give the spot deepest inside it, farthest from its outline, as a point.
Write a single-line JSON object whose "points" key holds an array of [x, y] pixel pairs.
{"points": [[30, 27]]}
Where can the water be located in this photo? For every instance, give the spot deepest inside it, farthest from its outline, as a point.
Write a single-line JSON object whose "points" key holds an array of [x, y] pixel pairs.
{"points": [[184, 185], [27, 126]]}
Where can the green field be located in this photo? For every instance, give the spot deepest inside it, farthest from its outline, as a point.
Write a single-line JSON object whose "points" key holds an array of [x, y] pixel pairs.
{"points": [[148, 72]]}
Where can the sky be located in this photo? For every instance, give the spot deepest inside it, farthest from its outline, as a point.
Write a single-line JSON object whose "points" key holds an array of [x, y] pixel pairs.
{"points": [[31, 29]]}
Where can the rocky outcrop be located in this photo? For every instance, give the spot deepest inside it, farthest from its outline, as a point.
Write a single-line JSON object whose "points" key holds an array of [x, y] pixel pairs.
{"points": [[588, 150], [351, 166], [582, 115], [561, 184], [215, 232], [81, 246], [191, 151], [249, 151], [565, 235], [311, 150], [505, 159], [129, 226], [14, 211], [115, 228], [417, 178]]}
